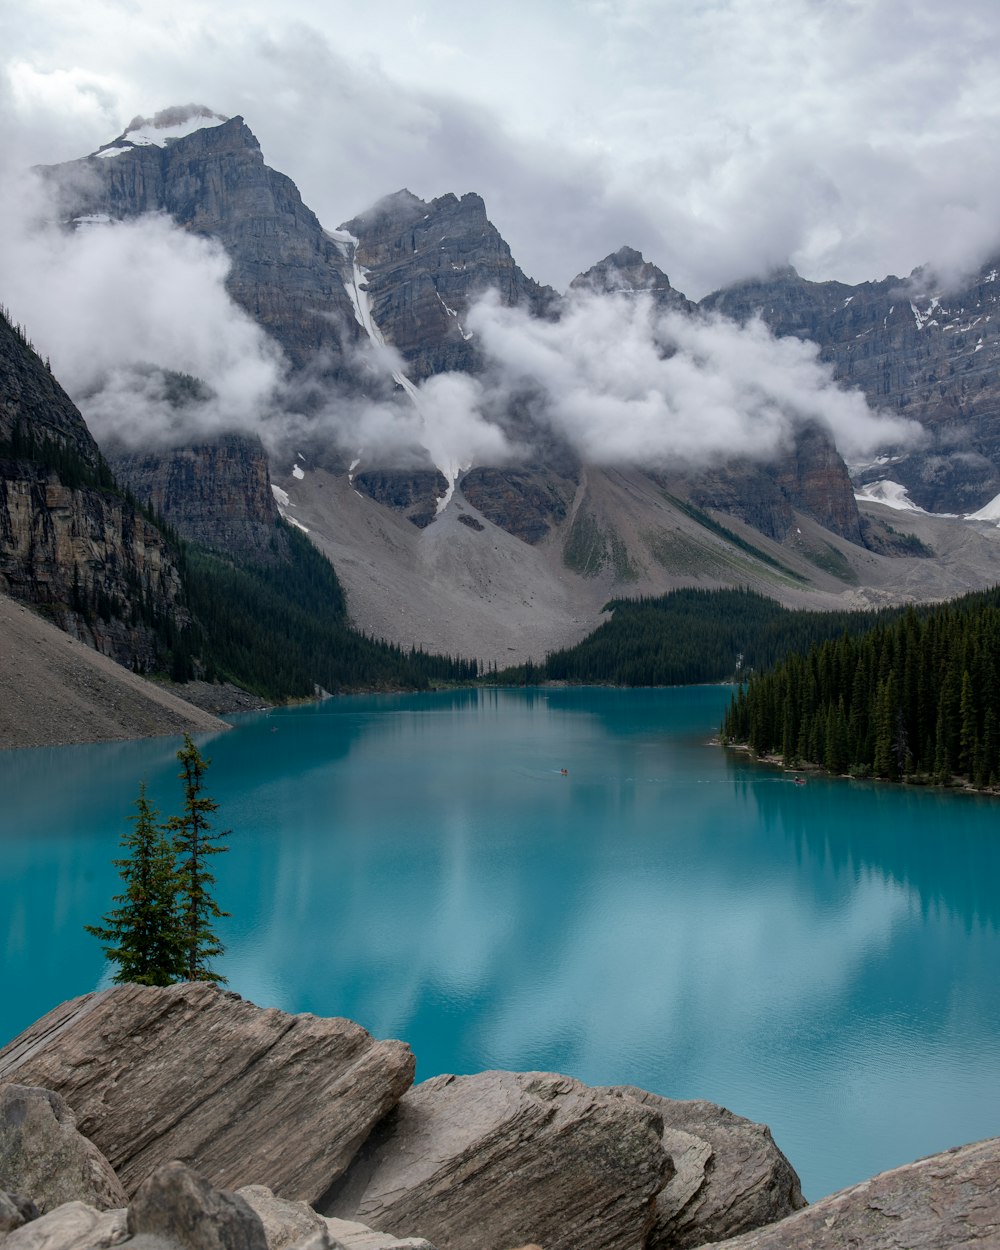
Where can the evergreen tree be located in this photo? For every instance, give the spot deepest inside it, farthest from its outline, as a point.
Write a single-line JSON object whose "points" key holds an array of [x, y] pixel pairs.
{"points": [[142, 935], [193, 841]]}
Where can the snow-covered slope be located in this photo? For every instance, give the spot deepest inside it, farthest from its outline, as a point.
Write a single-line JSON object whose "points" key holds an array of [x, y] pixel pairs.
{"points": [[162, 128]]}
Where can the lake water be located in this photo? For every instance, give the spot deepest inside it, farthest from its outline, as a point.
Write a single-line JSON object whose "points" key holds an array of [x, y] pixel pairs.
{"points": [[822, 958]]}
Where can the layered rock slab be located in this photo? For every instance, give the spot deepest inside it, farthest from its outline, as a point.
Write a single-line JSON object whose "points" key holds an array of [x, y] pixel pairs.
{"points": [[190, 1072], [730, 1175], [504, 1158], [946, 1202]]}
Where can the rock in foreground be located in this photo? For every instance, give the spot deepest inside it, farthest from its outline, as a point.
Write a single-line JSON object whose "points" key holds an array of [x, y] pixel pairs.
{"points": [[43, 1156], [503, 1158], [950, 1201], [730, 1175], [241, 1094]]}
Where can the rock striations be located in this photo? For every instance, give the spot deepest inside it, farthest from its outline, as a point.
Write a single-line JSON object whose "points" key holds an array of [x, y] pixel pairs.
{"points": [[236, 1128], [197, 1074]]}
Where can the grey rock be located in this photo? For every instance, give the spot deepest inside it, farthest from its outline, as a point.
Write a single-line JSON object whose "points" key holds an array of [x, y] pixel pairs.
{"points": [[286, 272], [730, 1175], [319, 1239], [916, 350], [503, 1158], [244, 1095], [72, 1226], [946, 1202], [44, 1157], [428, 262], [15, 1210], [216, 493], [354, 1236], [626, 272], [63, 546], [285, 1223], [181, 1207]]}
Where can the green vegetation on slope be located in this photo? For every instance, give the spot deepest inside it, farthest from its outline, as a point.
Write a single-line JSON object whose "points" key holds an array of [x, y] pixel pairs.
{"points": [[915, 698], [281, 629], [690, 636]]}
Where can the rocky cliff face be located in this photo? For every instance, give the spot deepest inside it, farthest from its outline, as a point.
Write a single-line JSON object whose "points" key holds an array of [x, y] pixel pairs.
{"points": [[812, 478], [286, 271], [215, 493], [427, 263], [914, 349], [626, 272], [70, 542]]}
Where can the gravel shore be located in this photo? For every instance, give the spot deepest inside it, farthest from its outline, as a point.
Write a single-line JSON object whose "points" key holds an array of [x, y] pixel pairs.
{"points": [[55, 691]]}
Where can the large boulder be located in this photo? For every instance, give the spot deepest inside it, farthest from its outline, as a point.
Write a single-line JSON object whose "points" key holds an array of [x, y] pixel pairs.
{"points": [[44, 1157], [950, 1201], [176, 1205], [503, 1158], [730, 1176], [191, 1072]]}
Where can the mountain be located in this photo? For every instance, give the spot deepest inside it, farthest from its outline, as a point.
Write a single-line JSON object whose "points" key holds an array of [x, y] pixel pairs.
{"points": [[508, 556], [922, 349], [72, 543]]}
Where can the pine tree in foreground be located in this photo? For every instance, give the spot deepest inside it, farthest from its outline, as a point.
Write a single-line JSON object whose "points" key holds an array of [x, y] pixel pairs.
{"points": [[193, 841], [142, 936]]}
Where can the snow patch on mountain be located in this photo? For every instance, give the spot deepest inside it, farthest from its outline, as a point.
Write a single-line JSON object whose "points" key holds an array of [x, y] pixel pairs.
{"points": [[892, 494], [989, 512], [162, 128], [357, 291]]}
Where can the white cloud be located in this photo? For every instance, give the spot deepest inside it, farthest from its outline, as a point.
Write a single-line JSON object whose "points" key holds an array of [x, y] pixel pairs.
{"points": [[851, 138], [627, 384], [115, 305]]}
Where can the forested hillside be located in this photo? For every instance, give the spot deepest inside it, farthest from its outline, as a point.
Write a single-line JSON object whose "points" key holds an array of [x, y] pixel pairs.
{"points": [[915, 699], [281, 630], [691, 636]]}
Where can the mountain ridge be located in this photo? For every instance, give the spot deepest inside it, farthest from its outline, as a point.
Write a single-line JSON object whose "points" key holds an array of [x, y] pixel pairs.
{"points": [[406, 273]]}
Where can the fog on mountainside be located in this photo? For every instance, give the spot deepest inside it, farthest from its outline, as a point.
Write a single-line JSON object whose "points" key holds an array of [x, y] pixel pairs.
{"points": [[127, 309]]}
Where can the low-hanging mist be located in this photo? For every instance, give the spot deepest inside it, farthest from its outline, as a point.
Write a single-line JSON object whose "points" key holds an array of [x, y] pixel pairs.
{"points": [[138, 324]]}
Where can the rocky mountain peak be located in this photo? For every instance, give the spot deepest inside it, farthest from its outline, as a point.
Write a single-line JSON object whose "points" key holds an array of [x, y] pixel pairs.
{"points": [[627, 272], [162, 128]]}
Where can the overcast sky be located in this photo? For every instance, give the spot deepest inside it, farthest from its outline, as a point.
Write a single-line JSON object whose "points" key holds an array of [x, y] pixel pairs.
{"points": [[852, 138]]}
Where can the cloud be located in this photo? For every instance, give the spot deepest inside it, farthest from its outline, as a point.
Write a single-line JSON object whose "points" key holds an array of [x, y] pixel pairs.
{"points": [[139, 327], [851, 139], [121, 309], [626, 384]]}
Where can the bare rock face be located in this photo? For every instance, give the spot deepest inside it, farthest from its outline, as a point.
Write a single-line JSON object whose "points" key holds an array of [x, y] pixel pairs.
{"points": [[354, 1236], [946, 1202], [811, 477], [526, 503], [626, 272], [414, 492], [190, 1072], [44, 1157], [916, 350], [730, 1175], [503, 1158], [428, 262], [68, 540], [217, 493], [286, 272]]}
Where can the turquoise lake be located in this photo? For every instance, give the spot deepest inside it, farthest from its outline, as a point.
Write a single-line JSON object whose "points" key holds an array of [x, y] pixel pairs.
{"points": [[823, 958]]}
